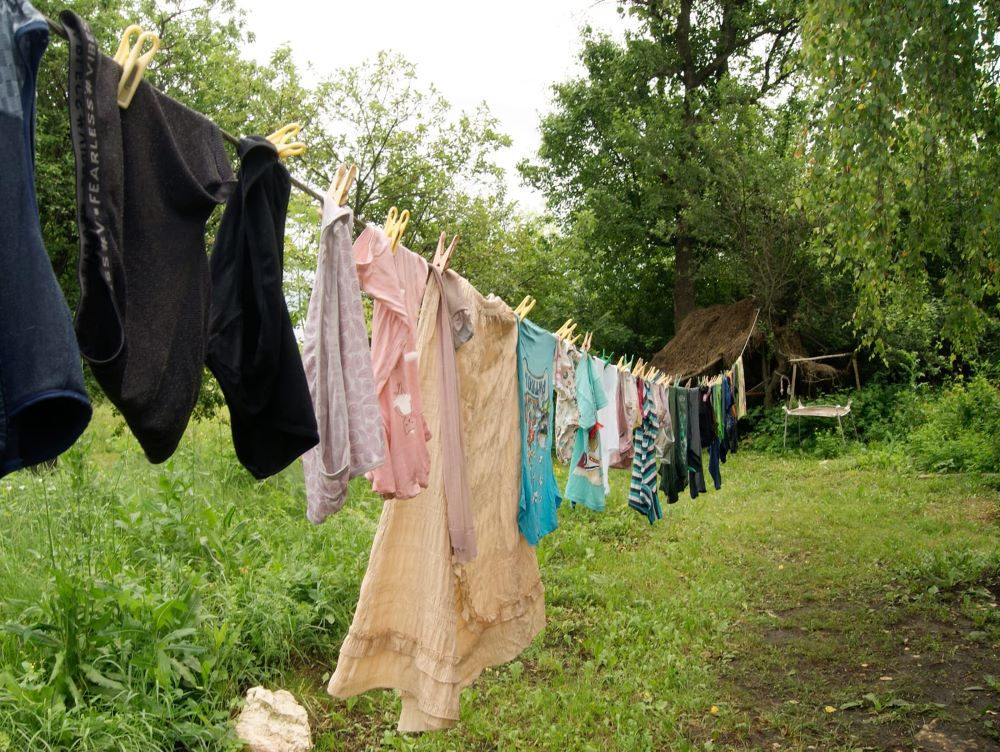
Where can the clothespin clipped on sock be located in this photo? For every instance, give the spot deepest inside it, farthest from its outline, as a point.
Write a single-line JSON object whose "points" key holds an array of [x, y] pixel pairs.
{"points": [[281, 139], [133, 61], [340, 188], [443, 255]]}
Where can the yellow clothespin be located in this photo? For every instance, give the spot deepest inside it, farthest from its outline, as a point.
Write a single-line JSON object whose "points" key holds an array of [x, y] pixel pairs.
{"points": [[621, 363], [341, 185], [125, 45], [563, 330], [282, 140], [395, 226], [587, 338], [133, 61], [525, 306], [443, 255]]}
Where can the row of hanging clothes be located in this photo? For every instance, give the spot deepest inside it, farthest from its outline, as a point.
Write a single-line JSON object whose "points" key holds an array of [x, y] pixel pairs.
{"points": [[452, 408], [628, 416]]}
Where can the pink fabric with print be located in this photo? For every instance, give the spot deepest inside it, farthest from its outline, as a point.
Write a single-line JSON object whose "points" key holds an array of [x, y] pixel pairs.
{"points": [[339, 371], [396, 282]]}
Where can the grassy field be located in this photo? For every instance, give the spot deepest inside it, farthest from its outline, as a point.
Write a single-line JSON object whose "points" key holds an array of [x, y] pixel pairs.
{"points": [[811, 604]]}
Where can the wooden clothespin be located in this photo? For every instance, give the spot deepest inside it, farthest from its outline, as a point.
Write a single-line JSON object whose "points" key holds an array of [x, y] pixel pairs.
{"points": [[586, 342], [395, 226], [342, 182], [443, 255], [133, 61], [282, 140]]}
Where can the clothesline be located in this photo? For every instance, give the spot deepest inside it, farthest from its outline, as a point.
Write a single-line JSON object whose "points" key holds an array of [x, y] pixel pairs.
{"points": [[57, 27]]}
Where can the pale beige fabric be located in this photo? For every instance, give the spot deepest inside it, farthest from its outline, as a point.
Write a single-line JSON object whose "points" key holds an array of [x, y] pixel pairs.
{"points": [[425, 624]]}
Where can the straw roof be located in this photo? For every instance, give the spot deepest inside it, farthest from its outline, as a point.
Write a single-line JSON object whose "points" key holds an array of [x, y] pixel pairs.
{"points": [[710, 339]]}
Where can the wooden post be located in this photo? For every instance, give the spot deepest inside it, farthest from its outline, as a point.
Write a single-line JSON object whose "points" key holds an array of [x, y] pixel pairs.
{"points": [[857, 378]]}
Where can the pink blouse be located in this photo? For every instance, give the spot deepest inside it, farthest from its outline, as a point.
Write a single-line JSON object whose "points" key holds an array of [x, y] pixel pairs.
{"points": [[396, 282]]}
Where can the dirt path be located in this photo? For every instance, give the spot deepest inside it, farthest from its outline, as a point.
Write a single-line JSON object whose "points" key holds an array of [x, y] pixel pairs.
{"points": [[884, 675]]}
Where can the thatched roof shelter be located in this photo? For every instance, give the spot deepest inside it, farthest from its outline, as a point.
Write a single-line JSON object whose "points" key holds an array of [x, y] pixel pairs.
{"points": [[709, 340]]}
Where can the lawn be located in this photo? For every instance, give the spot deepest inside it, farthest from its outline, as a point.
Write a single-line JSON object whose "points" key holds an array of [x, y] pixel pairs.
{"points": [[811, 604]]}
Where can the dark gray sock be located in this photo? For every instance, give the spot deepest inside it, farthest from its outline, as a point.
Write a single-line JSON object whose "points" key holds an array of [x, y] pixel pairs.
{"points": [[148, 178]]}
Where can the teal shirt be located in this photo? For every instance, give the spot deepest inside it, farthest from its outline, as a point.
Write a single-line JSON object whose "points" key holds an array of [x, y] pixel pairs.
{"points": [[536, 352], [585, 484]]}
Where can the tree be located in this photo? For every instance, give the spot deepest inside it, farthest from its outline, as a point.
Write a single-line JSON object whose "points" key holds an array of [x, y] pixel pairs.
{"points": [[903, 155], [624, 153]]}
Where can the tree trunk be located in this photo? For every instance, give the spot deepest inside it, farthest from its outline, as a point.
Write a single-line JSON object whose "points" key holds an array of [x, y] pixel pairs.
{"points": [[683, 275]]}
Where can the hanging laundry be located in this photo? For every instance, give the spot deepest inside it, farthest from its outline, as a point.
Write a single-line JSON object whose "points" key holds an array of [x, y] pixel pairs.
{"points": [[621, 456], [396, 281], [585, 482], [148, 177], [424, 624], [567, 411], [664, 442], [43, 403], [741, 389], [454, 328], [642, 495], [696, 472], [633, 409], [338, 367], [536, 353], [252, 350], [718, 408], [731, 442], [710, 432], [674, 476], [607, 417]]}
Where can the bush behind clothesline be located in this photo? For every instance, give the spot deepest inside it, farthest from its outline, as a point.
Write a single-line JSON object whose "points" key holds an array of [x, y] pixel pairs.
{"points": [[951, 429]]}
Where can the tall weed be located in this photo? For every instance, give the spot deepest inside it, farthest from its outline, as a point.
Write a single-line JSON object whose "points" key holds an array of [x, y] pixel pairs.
{"points": [[140, 602]]}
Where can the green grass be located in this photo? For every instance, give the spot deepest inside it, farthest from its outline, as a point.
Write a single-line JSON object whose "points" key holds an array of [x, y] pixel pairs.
{"points": [[139, 603]]}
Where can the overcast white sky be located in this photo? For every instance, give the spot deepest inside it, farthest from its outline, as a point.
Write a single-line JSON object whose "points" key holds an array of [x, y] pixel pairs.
{"points": [[507, 54]]}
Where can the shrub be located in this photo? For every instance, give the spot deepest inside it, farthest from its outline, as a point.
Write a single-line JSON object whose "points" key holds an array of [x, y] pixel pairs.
{"points": [[961, 430]]}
